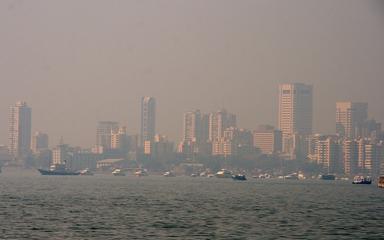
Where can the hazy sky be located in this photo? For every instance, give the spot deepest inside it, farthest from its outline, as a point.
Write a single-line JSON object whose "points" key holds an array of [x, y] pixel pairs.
{"points": [[79, 61]]}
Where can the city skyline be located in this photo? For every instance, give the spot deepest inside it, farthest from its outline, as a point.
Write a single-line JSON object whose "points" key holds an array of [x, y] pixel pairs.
{"points": [[190, 56], [105, 129]]}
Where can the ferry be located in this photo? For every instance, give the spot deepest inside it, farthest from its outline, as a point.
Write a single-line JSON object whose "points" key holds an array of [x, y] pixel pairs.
{"points": [[58, 170], [224, 173], [380, 184], [361, 180]]}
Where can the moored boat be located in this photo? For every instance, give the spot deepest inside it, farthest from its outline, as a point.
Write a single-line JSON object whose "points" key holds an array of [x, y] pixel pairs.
{"points": [[361, 180], [58, 170], [239, 177], [327, 177], [380, 184], [224, 173], [141, 173], [118, 172], [86, 172], [169, 174]]}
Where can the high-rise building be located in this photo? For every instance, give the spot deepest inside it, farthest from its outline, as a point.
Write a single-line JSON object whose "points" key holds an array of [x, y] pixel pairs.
{"points": [[350, 157], [328, 155], [192, 126], [350, 118], [39, 142], [295, 109], [119, 139], [104, 135], [267, 139], [148, 119], [20, 129], [218, 122]]}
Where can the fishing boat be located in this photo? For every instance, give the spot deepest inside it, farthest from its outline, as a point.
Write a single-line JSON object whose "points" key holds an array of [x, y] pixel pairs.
{"points": [[380, 184], [361, 180], [58, 170]]}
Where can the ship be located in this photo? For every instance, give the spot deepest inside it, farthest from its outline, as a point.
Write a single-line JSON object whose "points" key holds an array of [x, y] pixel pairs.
{"points": [[58, 170], [380, 184], [327, 177]]}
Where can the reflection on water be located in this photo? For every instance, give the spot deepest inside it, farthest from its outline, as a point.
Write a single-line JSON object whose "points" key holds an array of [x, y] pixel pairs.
{"points": [[155, 207]]}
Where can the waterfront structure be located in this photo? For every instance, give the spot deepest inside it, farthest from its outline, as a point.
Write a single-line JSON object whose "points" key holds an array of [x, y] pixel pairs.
{"points": [[104, 135], [39, 142], [20, 129], [350, 119], [267, 139], [148, 119]]}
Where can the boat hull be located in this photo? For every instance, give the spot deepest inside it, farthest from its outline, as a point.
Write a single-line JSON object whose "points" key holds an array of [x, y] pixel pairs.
{"points": [[57, 173]]}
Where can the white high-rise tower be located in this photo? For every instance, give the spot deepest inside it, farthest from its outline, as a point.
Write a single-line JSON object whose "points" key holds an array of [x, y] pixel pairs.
{"points": [[20, 129]]}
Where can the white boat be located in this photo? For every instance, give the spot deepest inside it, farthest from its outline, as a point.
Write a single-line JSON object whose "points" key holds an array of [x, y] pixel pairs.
{"points": [[86, 172], [224, 173], [292, 176], [141, 173], [169, 174], [118, 172]]}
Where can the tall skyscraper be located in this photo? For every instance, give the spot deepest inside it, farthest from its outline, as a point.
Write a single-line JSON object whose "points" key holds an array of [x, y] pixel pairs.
{"points": [[20, 129], [295, 114], [104, 135], [295, 109], [148, 119], [350, 118]]}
